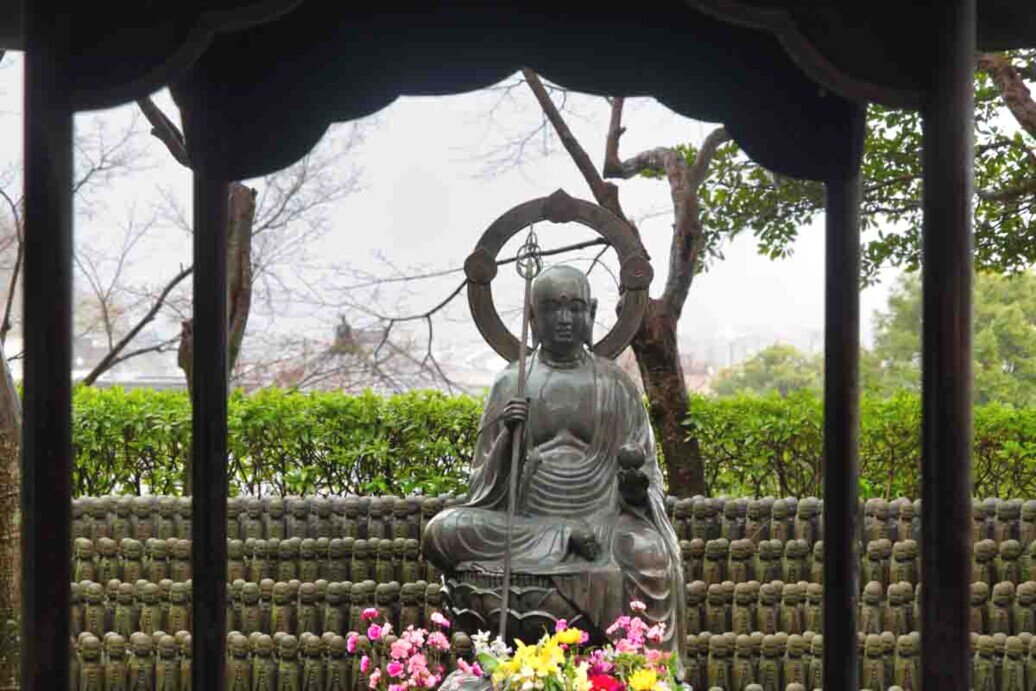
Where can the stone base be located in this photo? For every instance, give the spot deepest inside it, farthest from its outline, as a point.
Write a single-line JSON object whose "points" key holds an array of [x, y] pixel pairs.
{"points": [[472, 600]]}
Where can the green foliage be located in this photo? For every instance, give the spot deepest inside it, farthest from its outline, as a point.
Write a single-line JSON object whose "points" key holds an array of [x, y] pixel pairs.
{"points": [[1004, 340], [287, 442], [279, 441], [758, 445], [1004, 335], [739, 195], [779, 367]]}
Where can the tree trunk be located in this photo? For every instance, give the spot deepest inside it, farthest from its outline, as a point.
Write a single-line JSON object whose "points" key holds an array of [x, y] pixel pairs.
{"points": [[655, 347], [10, 525], [240, 221], [658, 359]]}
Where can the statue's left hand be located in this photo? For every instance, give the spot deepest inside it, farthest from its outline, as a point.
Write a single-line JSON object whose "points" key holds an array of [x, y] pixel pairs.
{"points": [[633, 486]]}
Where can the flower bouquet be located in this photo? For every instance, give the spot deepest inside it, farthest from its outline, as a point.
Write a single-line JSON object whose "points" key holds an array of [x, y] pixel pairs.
{"points": [[560, 662], [415, 659]]}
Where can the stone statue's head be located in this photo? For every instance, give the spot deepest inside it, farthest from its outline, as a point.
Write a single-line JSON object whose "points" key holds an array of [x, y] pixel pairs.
{"points": [[563, 311]]}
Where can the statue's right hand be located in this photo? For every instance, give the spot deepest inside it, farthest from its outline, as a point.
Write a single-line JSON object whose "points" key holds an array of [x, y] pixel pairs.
{"points": [[516, 411]]}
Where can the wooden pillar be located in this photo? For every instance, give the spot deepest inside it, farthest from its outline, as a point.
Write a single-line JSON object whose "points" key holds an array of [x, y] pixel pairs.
{"points": [[946, 261], [841, 430], [209, 449], [47, 402]]}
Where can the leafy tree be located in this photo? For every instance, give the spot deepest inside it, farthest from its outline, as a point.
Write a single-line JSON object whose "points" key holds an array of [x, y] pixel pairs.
{"points": [[740, 195], [718, 193], [1004, 340], [1004, 348], [780, 367]]}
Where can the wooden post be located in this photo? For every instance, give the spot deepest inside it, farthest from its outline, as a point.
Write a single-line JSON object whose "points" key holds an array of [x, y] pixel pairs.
{"points": [[209, 449], [946, 260], [841, 430], [47, 421]]}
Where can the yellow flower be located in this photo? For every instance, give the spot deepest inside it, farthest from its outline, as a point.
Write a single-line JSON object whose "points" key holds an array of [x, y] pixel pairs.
{"points": [[643, 680], [569, 636]]}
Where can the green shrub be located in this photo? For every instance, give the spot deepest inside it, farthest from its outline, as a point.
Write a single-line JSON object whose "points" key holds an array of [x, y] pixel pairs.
{"points": [[758, 445], [288, 442], [279, 441]]}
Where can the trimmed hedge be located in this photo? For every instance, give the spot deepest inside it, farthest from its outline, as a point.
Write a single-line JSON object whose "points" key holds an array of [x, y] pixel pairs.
{"points": [[280, 441], [288, 442]]}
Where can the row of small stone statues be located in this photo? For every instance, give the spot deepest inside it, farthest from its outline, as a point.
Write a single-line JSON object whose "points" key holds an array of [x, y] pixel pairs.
{"points": [[150, 516], [340, 559], [768, 518], [782, 661], [259, 662], [797, 607], [308, 559], [267, 607], [742, 560], [887, 662]]}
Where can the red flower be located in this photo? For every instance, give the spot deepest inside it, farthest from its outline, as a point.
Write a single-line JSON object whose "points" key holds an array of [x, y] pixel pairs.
{"points": [[605, 682]]}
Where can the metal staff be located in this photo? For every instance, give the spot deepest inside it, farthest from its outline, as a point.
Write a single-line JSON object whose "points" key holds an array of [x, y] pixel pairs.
{"points": [[528, 264]]}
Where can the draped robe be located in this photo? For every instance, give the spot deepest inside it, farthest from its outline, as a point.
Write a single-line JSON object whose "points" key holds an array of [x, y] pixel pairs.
{"points": [[566, 485]]}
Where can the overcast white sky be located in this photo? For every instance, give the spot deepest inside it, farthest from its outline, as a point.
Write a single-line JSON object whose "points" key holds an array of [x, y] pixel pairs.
{"points": [[423, 203]]}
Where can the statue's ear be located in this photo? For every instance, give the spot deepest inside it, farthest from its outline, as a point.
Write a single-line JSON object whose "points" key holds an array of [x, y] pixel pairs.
{"points": [[590, 324]]}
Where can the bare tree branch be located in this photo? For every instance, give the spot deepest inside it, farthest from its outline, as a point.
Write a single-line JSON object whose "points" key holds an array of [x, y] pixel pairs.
{"points": [[163, 347], [606, 193], [688, 234], [112, 357], [107, 158], [1013, 89], [165, 131], [12, 285]]}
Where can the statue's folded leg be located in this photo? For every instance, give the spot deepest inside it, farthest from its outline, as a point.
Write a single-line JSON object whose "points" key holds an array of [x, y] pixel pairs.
{"points": [[462, 534]]}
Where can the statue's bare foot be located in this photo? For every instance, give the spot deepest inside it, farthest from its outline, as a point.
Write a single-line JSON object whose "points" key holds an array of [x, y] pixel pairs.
{"points": [[585, 544]]}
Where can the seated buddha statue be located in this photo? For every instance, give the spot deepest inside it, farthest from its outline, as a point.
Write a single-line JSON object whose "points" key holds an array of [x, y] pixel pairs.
{"points": [[590, 507]]}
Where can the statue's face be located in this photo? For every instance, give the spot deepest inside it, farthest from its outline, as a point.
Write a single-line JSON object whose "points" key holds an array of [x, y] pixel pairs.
{"points": [[562, 310]]}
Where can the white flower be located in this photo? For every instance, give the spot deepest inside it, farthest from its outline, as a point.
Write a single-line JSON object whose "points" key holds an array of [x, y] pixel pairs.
{"points": [[498, 648], [481, 642]]}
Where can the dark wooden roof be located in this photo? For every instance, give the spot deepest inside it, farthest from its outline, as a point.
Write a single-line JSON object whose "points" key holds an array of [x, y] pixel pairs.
{"points": [[787, 78]]}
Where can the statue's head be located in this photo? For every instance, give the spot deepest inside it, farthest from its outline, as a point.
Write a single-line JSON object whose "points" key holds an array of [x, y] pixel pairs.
{"points": [[563, 311]]}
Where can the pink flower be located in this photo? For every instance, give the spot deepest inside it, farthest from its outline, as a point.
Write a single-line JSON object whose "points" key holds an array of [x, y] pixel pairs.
{"points": [[598, 663], [439, 620], [622, 622], [350, 642], [656, 633], [400, 648], [416, 637], [437, 639], [417, 666], [431, 681], [369, 613], [396, 687], [365, 664], [560, 625], [375, 678], [584, 639], [637, 606], [473, 669], [375, 632], [626, 646], [653, 656], [394, 668]]}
